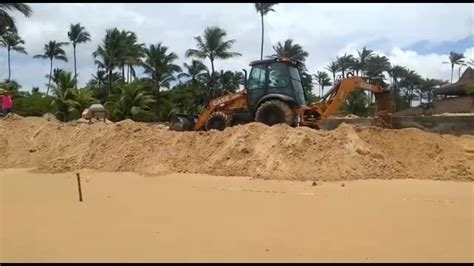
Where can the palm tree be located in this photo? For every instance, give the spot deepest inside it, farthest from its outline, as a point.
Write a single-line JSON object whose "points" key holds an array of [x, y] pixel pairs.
{"points": [[415, 80], [99, 78], [356, 65], [345, 62], [307, 80], [132, 51], [230, 81], [77, 34], [211, 84], [53, 50], [357, 103], [55, 76], [159, 66], [7, 22], [263, 9], [111, 54], [364, 56], [212, 45], [133, 58], [12, 41], [470, 62], [376, 65], [333, 67], [427, 86], [396, 72], [410, 80], [81, 99], [195, 69], [130, 100], [322, 79], [63, 92], [454, 59], [290, 50]]}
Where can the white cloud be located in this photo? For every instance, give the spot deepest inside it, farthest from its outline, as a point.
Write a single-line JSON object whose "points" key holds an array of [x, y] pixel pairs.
{"points": [[324, 30], [469, 53], [430, 65]]}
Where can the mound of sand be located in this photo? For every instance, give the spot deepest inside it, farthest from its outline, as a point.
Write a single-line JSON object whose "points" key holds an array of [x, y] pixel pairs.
{"points": [[454, 114], [50, 117], [351, 116], [278, 152]]}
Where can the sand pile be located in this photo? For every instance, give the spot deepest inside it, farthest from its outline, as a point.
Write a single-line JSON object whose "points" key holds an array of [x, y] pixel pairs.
{"points": [[279, 152], [351, 116]]}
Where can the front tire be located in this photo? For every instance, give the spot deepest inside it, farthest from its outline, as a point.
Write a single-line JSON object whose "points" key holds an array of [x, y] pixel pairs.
{"points": [[218, 121], [275, 112]]}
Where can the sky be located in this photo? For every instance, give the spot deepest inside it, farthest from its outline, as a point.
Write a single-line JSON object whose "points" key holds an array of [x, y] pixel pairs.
{"points": [[418, 36]]}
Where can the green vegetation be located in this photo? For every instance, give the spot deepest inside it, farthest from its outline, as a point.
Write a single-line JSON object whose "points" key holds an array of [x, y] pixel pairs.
{"points": [[165, 87]]}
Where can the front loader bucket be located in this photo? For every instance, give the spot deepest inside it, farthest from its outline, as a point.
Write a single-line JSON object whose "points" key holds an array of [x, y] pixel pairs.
{"points": [[384, 107], [182, 122]]}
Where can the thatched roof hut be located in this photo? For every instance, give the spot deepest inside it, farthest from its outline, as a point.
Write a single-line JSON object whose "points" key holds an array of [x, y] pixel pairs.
{"points": [[462, 87]]}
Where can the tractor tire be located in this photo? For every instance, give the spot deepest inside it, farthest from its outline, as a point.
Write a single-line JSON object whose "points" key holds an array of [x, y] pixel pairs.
{"points": [[275, 112], [218, 121]]}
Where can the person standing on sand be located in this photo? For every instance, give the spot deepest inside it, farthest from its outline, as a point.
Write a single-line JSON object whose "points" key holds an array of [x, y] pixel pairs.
{"points": [[7, 102]]}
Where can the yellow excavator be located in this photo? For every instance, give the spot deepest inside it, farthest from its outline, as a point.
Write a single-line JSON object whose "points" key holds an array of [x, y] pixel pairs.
{"points": [[274, 93]]}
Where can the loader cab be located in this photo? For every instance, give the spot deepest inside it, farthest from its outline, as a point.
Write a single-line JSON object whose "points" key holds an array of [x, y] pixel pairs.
{"points": [[275, 78]]}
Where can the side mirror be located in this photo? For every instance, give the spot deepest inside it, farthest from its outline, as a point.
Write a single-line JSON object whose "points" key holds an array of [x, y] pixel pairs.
{"points": [[245, 78]]}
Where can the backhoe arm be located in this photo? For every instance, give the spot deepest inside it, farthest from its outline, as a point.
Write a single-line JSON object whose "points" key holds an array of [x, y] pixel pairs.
{"points": [[335, 98]]}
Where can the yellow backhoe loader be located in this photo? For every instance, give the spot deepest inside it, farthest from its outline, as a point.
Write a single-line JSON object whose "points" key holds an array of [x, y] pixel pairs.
{"points": [[274, 93]]}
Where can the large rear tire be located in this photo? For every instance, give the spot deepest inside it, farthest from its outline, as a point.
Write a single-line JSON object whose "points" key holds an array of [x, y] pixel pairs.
{"points": [[275, 112], [218, 121]]}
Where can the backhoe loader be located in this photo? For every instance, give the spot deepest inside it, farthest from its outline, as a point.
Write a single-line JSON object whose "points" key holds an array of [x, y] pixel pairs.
{"points": [[274, 93]]}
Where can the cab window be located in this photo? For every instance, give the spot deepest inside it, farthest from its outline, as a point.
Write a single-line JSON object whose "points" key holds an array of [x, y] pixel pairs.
{"points": [[278, 76], [297, 84], [257, 78]]}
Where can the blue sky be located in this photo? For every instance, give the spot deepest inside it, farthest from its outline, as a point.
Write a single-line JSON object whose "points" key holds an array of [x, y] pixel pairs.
{"points": [[429, 47], [412, 35]]}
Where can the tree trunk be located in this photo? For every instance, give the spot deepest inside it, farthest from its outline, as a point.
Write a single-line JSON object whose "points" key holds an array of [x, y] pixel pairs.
{"points": [[334, 77], [123, 73], [212, 66], [128, 74], [110, 85], [9, 67], [157, 96], [261, 47], [75, 66], [452, 70], [50, 73]]}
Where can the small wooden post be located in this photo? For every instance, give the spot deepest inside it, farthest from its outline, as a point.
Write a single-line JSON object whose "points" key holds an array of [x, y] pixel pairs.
{"points": [[79, 186]]}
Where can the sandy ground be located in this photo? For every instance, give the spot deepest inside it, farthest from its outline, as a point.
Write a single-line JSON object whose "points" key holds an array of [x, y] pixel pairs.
{"points": [[193, 218]]}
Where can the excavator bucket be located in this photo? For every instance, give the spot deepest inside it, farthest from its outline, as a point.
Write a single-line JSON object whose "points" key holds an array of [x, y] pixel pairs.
{"points": [[384, 107], [182, 122]]}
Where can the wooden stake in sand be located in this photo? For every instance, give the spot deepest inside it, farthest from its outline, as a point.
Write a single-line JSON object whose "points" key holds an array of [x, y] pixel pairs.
{"points": [[79, 186]]}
